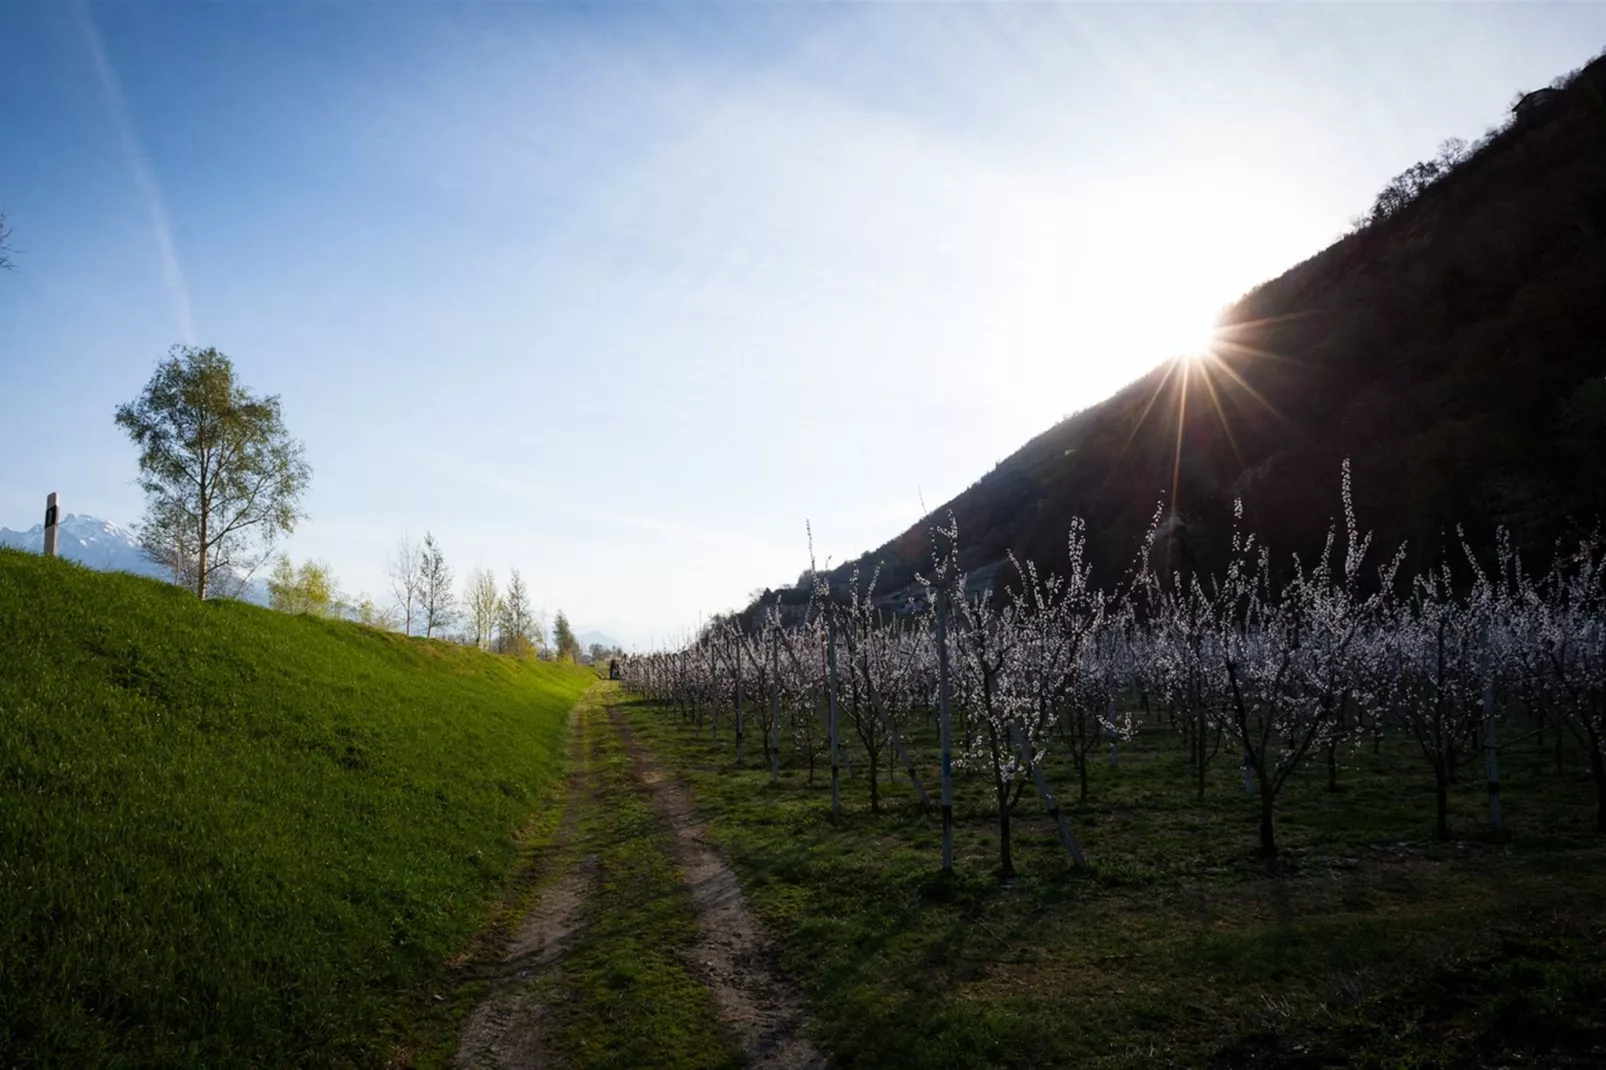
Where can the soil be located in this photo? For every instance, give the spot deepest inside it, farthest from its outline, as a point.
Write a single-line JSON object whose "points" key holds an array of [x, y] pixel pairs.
{"points": [[731, 951], [512, 1028]]}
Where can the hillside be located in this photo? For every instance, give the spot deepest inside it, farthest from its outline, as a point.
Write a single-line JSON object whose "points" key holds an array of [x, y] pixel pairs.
{"points": [[1454, 349], [234, 837], [98, 544], [108, 547]]}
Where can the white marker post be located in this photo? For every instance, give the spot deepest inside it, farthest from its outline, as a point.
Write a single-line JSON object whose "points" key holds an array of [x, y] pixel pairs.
{"points": [[52, 515]]}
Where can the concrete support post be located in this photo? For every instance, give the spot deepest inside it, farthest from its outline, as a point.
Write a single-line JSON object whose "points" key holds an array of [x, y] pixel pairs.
{"points": [[52, 523]]}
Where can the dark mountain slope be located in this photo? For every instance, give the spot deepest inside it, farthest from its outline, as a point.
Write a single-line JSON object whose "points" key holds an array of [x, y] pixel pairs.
{"points": [[1454, 348]]}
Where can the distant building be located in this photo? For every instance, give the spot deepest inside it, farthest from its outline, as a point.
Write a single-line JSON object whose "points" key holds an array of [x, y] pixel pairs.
{"points": [[1530, 101]]}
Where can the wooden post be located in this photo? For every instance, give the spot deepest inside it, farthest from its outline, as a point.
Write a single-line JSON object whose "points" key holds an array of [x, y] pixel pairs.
{"points": [[740, 722], [52, 523], [830, 660], [943, 730], [771, 731], [1491, 753], [1050, 805]]}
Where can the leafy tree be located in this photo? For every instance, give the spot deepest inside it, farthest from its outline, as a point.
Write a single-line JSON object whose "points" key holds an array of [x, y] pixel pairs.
{"points": [[373, 615], [5, 243], [435, 595], [484, 604], [515, 622], [563, 638], [222, 478], [308, 589]]}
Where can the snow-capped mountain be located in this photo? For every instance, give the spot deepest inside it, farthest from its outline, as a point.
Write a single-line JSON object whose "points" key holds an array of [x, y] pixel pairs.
{"points": [[105, 547], [90, 541]]}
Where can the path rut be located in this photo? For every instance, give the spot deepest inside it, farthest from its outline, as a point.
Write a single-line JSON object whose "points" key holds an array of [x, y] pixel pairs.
{"points": [[514, 1025], [731, 950], [511, 1027]]}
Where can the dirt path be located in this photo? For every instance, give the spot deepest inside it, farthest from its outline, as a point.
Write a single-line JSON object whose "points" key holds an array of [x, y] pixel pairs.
{"points": [[511, 1027], [730, 952], [516, 1024]]}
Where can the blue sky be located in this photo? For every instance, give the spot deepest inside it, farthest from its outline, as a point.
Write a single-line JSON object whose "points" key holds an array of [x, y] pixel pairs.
{"points": [[623, 294]]}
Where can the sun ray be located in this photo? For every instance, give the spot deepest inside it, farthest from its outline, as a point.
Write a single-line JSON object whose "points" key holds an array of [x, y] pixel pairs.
{"points": [[1182, 419], [1244, 385], [1209, 362], [1154, 396]]}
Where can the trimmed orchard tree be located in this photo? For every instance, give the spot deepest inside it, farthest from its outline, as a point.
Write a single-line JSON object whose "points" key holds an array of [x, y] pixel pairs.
{"points": [[1559, 637], [1283, 649]]}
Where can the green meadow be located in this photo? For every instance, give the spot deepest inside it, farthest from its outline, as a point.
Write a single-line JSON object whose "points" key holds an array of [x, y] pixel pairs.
{"points": [[230, 836]]}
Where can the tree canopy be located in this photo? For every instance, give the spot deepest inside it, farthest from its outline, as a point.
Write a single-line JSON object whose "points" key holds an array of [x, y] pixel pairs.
{"points": [[222, 478]]}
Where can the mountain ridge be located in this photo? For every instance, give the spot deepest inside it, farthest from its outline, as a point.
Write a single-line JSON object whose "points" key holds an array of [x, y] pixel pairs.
{"points": [[1452, 347]]}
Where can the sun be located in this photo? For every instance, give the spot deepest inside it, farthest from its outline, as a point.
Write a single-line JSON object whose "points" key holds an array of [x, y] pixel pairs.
{"points": [[1194, 343], [1173, 327]]}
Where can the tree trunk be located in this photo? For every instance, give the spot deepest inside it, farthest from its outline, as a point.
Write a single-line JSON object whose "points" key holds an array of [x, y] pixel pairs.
{"points": [[1268, 835], [945, 734], [1050, 804], [1006, 863], [1441, 784], [1079, 752], [200, 567], [836, 759], [1199, 741], [875, 780], [772, 741], [1597, 769], [1491, 754], [1332, 767]]}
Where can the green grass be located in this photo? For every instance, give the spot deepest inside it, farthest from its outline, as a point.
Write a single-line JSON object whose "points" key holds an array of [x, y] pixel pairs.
{"points": [[1368, 944], [624, 994], [631, 1000], [233, 837]]}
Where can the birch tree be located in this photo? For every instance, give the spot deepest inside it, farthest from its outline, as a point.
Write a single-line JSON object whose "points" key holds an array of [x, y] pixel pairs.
{"points": [[223, 479], [405, 570], [435, 597], [484, 606], [516, 622]]}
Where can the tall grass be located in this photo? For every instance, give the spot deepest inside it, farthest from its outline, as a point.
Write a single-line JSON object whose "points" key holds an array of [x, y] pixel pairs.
{"points": [[234, 837]]}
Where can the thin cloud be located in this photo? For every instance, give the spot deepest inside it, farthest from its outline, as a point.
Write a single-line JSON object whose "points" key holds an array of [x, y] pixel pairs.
{"points": [[139, 166]]}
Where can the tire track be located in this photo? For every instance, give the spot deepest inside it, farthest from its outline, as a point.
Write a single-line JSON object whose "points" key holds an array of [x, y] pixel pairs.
{"points": [[512, 1027], [731, 951]]}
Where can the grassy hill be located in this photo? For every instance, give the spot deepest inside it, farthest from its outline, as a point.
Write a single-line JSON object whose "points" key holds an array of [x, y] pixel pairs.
{"points": [[234, 837], [1455, 348]]}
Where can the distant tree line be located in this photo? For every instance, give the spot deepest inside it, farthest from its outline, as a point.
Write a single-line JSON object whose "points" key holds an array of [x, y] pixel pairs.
{"points": [[223, 483], [498, 618], [1404, 188]]}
